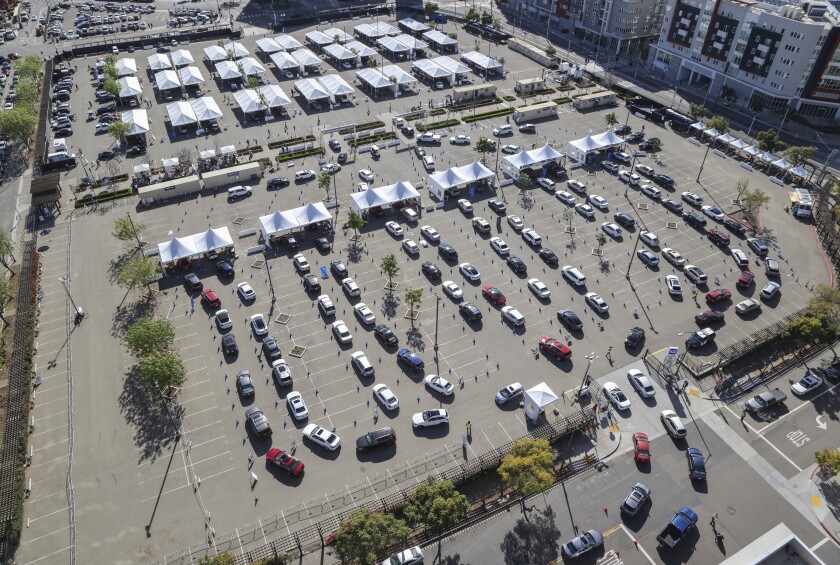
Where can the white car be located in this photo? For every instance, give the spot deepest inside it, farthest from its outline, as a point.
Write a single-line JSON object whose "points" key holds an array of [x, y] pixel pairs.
{"points": [[465, 206], [510, 149], [622, 156], [364, 313], [342, 334], [673, 256], [304, 174], [651, 191], [616, 396], [510, 392], [411, 556], [350, 287], [513, 316], [326, 305], [362, 364], [469, 272], [322, 437], [770, 290], [645, 170], [363, 186], [585, 210], [695, 273], [673, 284], [281, 373], [547, 184], [713, 212], [673, 424], [452, 290], [598, 201], [650, 238], [565, 197], [245, 291], [297, 407], [500, 246], [515, 223], [430, 234], [641, 383], [411, 247], [611, 230], [460, 139], [806, 385], [301, 264], [258, 325], [538, 288], [223, 320], [628, 177], [394, 228], [596, 302], [429, 418], [692, 198], [101, 128], [366, 175], [386, 398], [576, 185], [531, 237], [331, 168], [439, 385], [238, 191]]}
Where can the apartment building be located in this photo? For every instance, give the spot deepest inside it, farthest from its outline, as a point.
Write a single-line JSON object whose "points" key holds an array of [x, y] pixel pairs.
{"points": [[765, 55]]}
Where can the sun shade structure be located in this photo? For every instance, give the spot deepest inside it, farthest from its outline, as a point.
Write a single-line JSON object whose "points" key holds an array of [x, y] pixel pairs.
{"points": [[739, 144], [311, 89], [410, 24], [726, 138], [137, 119], [250, 66], [228, 70], [294, 218], [306, 58], [268, 45], [374, 78], [190, 76], [402, 77], [207, 154], [536, 399], [159, 62], [392, 45], [608, 139], [385, 28], [383, 196], [248, 101], [215, 53], [711, 132], [176, 249], [126, 67], [432, 70], [766, 157], [752, 150], [699, 126], [336, 86], [440, 40], [579, 148], [274, 95], [318, 38], [782, 164], [212, 240], [334, 32], [129, 86], [284, 61], [142, 168], [458, 177], [411, 42], [170, 163], [451, 65], [799, 171], [182, 57], [167, 80], [360, 49], [482, 61], [181, 113], [238, 49], [288, 42], [512, 165], [205, 108], [339, 52], [368, 32]]}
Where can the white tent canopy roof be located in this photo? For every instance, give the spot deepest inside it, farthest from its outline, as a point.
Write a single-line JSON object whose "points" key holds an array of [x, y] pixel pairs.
{"points": [[450, 64], [339, 52], [360, 49], [182, 57], [368, 31], [288, 42], [482, 60], [311, 89], [170, 163], [238, 50], [383, 196], [306, 57], [783, 164], [397, 73], [411, 42], [212, 239], [726, 138], [766, 157], [181, 113], [385, 28], [249, 101], [374, 78], [207, 154], [414, 25], [250, 66], [274, 95], [159, 62], [438, 37], [167, 80], [318, 38], [215, 53], [141, 168], [536, 399], [343, 37], [739, 144], [268, 45], [712, 132], [539, 156], [294, 218], [228, 70], [311, 214], [799, 171], [227, 149], [129, 86], [205, 108], [284, 61], [190, 76], [608, 139], [177, 248], [698, 126], [126, 66], [752, 150], [278, 222], [458, 176], [336, 85], [586, 145], [392, 45]]}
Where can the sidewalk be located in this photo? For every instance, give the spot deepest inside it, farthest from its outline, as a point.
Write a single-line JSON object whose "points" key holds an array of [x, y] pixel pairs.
{"points": [[824, 496]]}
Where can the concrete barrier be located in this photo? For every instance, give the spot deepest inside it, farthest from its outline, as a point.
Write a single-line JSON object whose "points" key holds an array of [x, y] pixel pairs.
{"points": [[694, 140], [255, 249], [247, 233], [720, 153], [776, 180], [746, 166]]}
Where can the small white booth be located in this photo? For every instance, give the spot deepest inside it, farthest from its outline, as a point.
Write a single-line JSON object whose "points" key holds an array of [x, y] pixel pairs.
{"points": [[536, 399]]}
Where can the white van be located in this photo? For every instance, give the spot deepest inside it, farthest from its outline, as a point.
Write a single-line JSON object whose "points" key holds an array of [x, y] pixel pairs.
{"points": [[362, 364], [502, 130], [409, 214], [60, 156], [429, 163], [574, 276], [237, 191]]}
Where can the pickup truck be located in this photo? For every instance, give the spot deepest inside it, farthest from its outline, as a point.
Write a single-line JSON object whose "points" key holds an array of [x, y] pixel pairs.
{"points": [[682, 523], [429, 138], [766, 400]]}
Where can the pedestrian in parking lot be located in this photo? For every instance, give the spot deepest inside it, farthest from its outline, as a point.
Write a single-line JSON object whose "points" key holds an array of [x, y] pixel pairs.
{"points": [[469, 428], [743, 414]]}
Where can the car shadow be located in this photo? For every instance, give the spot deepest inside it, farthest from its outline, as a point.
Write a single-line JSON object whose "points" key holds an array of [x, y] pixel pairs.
{"points": [[319, 451], [282, 476], [435, 432], [378, 454]]}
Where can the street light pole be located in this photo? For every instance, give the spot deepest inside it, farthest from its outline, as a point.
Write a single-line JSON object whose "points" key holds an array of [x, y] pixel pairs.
{"points": [[591, 357], [709, 146], [134, 229], [437, 310], [63, 281]]}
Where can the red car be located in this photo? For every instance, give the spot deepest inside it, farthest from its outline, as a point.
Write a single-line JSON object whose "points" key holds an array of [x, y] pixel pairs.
{"points": [[708, 317], [718, 295], [209, 298], [292, 465], [718, 237], [554, 347], [493, 294], [745, 280], [641, 448]]}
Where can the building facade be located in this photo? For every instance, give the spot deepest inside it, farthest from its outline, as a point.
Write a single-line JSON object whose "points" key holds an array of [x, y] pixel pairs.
{"points": [[753, 54]]}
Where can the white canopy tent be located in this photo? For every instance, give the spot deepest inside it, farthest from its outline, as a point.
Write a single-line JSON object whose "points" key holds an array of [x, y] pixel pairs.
{"points": [[413, 25], [392, 45], [170, 164], [368, 31], [288, 42], [190, 76], [512, 165], [360, 49], [159, 62], [782, 164], [311, 214], [274, 95], [318, 38], [167, 80], [268, 45], [129, 86], [383, 196], [228, 70], [433, 70], [284, 61], [336, 86], [726, 138], [752, 150], [212, 240], [385, 28], [227, 150], [766, 157], [340, 52], [205, 108], [458, 178], [182, 57], [608, 139], [333, 32], [411, 42], [215, 53], [207, 154], [306, 58], [536, 399], [799, 171], [176, 249], [699, 126], [580, 148], [375, 79], [292, 219], [248, 101], [238, 50], [142, 168], [711, 132], [739, 144], [250, 66], [181, 113], [311, 90], [395, 72], [440, 40], [126, 67], [451, 65]]}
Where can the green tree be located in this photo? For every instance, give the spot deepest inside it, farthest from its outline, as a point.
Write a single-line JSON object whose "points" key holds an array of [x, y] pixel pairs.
{"points": [[112, 87], [611, 119], [550, 50], [486, 18], [825, 304], [7, 251], [162, 369], [137, 272], [430, 7], [719, 123], [355, 221], [252, 82], [529, 467], [727, 92], [524, 180], [769, 141], [752, 201], [811, 328], [148, 335], [569, 215], [437, 505], [484, 146], [697, 111], [5, 296], [18, 124], [798, 154], [472, 15], [220, 559], [118, 129], [324, 183], [366, 536], [742, 186], [29, 67], [602, 241], [26, 94], [830, 457], [413, 296], [125, 229], [452, 34], [390, 266]]}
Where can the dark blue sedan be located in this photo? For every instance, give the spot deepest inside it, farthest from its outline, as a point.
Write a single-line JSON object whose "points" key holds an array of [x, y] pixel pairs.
{"points": [[696, 464], [411, 359]]}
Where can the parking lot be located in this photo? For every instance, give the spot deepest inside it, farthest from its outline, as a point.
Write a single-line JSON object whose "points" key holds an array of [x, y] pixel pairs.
{"points": [[130, 462]]}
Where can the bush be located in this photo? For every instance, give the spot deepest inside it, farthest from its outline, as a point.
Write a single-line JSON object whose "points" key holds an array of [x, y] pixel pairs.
{"points": [[437, 112], [247, 150], [290, 141], [471, 105], [297, 154], [563, 100], [362, 127], [509, 98], [486, 115], [438, 125], [372, 139], [106, 197]]}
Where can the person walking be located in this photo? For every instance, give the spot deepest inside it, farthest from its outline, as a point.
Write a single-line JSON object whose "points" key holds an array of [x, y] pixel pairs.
{"points": [[714, 519], [609, 353], [743, 414], [469, 428]]}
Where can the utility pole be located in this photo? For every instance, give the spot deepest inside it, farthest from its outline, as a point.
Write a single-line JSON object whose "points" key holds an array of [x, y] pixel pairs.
{"points": [[437, 310], [134, 229], [63, 281]]}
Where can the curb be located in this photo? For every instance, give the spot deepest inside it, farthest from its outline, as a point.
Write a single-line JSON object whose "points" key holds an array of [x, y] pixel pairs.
{"points": [[821, 522]]}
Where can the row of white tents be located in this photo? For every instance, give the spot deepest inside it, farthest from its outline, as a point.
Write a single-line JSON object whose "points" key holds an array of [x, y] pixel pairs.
{"points": [[214, 239], [383, 196], [296, 218], [513, 165], [185, 76], [270, 45], [580, 148], [184, 112], [327, 87]]}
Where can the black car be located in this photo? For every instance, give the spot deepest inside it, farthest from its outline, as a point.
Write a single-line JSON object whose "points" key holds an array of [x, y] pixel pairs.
{"points": [[257, 422], [673, 206], [447, 252], [430, 270], [623, 130], [663, 180], [376, 438], [635, 137], [192, 282], [229, 344], [708, 317], [470, 311], [311, 283], [693, 218], [244, 384], [322, 243], [651, 144], [385, 334], [549, 256], [106, 155], [735, 227], [271, 348], [335, 145], [290, 242], [339, 270], [135, 151], [342, 157], [497, 206], [635, 338], [516, 264], [279, 182], [63, 132], [624, 219], [718, 237], [224, 268], [104, 97], [570, 319], [106, 109]]}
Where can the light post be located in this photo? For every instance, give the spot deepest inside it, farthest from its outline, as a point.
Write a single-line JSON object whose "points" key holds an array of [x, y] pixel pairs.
{"points": [[781, 125], [591, 357], [63, 281], [437, 310], [709, 146], [134, 229], [753, 122]]}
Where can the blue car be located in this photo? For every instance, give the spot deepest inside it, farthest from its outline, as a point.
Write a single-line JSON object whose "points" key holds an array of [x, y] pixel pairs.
{"points": [[224, 269], [411, 359], [696, 464]]}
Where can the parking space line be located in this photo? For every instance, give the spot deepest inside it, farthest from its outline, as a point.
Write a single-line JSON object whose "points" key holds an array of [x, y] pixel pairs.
{"points": [[203, 479], [639, 547], [809, 402], [49, 446], [48, 555], [186, 466], [50, 514], [767, 441], [504, 429], [44, 536]]}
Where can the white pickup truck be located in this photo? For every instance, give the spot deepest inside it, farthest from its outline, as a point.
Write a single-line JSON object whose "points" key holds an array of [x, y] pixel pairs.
{"points": [[429, 138]]}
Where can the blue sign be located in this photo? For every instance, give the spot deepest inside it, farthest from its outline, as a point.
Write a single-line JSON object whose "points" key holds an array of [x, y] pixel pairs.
{"points": [[236, 174]]}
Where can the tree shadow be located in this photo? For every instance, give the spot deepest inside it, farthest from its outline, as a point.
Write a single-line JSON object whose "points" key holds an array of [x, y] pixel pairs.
{"points": [[154, 421], [115, 266], [128, 314], [532, 539], [355, 252], [604, 266], [389, 305], [831, 491], [572, 245], [414, 339], [452, 560]]}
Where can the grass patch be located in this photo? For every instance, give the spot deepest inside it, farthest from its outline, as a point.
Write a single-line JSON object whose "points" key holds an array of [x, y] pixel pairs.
{"points": [[297, 154], [566, 88], [509, 98], [291, 141], [115, 179], [362, 127], [103, 197], [249, 150], [486, 115], [540, 92], [438, 125], [478, 104], [372, 139], [564, 100], [437, 112]]}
